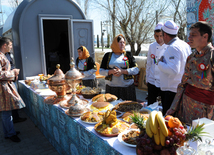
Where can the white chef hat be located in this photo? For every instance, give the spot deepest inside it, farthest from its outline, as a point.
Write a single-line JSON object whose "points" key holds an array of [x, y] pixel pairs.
{"points": [[170, 27], [159, 26]]}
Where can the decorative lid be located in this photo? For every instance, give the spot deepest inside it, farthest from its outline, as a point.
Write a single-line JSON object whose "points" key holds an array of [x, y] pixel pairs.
{"points": [[185, 150], [206, 148], [77, 109], [73, 73], [58, 78]]}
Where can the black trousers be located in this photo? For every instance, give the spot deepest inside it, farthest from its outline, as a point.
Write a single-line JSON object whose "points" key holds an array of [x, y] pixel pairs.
{"points": [[167, 100], [15, 114], [153, 93]]}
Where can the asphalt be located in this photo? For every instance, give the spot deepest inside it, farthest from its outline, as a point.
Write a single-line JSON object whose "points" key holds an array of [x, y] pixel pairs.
{"points": [[33, 142]]}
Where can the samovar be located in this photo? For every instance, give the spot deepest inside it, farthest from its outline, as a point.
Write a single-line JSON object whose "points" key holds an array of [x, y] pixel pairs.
{"points": [[73, 77], [57, 83]]}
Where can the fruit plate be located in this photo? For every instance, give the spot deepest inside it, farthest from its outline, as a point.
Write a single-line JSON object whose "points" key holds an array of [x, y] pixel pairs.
{"points": [[120, 139]]}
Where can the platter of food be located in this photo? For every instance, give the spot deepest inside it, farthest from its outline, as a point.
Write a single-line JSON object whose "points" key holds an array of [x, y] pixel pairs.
{"points": [[110, 126], [127, 116], [101, 106], [92, 117], [128, 137]]}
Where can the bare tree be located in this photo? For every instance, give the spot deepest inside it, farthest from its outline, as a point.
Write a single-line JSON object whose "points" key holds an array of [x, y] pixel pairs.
{"points": [[13, 4], [178, 10], [135, 18], [84, 4]]}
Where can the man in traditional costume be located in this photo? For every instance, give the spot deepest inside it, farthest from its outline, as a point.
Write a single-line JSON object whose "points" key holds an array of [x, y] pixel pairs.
{"points": [[10, 98], [15, 114], [172, 63], [155, 52], [195, 95]]}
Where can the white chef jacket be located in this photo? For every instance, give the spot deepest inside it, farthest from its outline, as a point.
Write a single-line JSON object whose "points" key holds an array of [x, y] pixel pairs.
{"points": [[172, 69], [152, 70]]}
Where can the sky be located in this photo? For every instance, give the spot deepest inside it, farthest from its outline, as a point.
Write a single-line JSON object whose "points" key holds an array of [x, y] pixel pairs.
{"points": [[94, 15]]}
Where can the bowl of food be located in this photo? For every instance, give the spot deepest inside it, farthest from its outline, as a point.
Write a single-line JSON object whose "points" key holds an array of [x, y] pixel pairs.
{"points": [[89, 92], [128, 137]]}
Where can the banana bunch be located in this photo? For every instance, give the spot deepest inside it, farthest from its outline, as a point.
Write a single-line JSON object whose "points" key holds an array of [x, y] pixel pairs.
{"points": [[155, 126]]}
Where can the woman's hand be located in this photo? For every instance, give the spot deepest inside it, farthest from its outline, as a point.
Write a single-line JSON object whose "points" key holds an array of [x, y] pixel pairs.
{"points": [[170, 112], [112, 71], [120, 72]]}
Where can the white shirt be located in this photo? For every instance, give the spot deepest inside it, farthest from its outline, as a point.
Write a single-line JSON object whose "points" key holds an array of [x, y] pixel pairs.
{"points": [[117, 61], [172, 69], [152, 70]]}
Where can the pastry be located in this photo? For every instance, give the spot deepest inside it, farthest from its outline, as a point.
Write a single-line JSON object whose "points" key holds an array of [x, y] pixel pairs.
{"points": [[100, 106], [104, 98]]}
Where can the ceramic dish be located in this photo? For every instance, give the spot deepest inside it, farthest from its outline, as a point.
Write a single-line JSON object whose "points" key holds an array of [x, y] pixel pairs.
{"points": [[125, 132], [75, 115]]}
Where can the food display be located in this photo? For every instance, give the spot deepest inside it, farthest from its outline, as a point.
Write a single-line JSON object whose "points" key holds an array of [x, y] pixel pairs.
{"points": [[92, 117], [79, 89], [127, 116], [128, 106], [163, 135], [89, 92], [101, 106], [110, 126], [104, 98], [44, 77], [130, 137]]}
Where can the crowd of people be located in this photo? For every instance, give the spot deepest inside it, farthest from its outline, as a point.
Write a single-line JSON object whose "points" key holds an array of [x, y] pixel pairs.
{"points": [[182, 74]]}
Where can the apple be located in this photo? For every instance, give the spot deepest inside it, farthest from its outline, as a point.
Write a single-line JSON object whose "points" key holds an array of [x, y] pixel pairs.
{"points": [[167, 118]]}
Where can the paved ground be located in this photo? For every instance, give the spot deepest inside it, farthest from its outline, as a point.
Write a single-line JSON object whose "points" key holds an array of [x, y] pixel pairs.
{"points": [[33, 142]]}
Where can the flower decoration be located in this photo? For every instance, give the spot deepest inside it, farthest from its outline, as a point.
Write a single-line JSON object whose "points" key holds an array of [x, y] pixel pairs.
{"points": [[126, 61], [153, 57], [202, 67], [85, 65]]}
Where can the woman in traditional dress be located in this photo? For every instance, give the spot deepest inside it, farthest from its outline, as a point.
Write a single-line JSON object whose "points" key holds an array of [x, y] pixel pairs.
{"points": [[86, 65], [119, 67]]}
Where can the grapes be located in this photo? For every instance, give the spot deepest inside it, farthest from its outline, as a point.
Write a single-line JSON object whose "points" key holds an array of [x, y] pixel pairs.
{"points": [[183, 136], [178, 140], [167, 142], [167, 138], [181, 126], [175, 129], [148, 141], [171, 141], [177, 133]]}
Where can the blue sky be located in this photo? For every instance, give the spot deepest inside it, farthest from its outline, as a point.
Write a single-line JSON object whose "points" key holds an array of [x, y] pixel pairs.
{"points": [[95, 15]]}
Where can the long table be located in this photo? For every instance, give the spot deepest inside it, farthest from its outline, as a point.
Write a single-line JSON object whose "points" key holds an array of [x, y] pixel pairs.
{"points": [[69, 135]]}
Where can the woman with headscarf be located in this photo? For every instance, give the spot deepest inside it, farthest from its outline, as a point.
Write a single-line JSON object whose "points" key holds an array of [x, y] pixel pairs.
{"points": [[119, 67], [86, 65]]}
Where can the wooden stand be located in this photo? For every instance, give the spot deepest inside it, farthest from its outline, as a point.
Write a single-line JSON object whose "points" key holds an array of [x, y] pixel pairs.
{"points": [[142, 80]]}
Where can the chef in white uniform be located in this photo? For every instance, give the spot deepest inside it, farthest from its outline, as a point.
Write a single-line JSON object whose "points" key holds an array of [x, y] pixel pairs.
{"points": [[155, 52], [172, 63]]}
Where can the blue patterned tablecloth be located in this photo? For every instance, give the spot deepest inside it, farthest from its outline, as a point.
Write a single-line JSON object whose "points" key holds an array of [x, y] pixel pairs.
{"points": [[68, 135]]}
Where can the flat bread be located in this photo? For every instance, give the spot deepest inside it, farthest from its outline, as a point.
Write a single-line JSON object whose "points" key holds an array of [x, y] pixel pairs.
{"points": [[99, 105]]}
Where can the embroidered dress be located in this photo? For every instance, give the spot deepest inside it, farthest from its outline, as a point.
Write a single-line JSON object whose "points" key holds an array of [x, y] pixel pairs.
{"points": [[9, 97], [195, 94]]}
